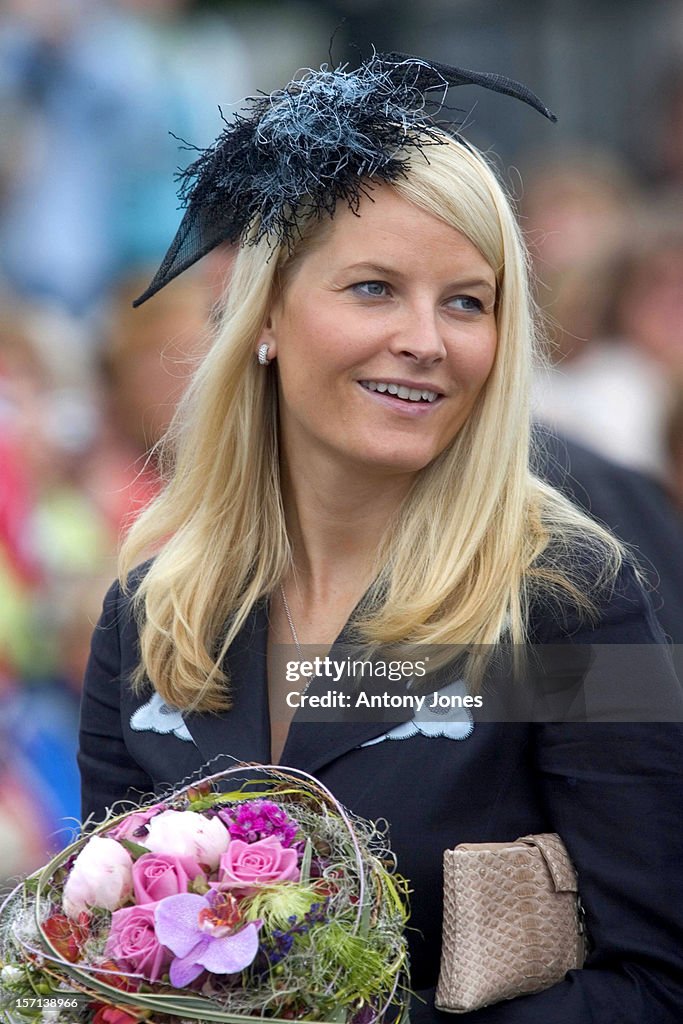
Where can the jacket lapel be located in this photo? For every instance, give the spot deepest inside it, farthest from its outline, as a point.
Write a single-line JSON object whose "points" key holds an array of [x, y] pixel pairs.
{"points": [[243, 732], [316, 736]]}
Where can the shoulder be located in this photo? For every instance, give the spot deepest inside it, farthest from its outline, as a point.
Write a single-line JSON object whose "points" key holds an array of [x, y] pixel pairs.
{"points": [[121, 596], [634, 506], [622, 610], [119, 622]]}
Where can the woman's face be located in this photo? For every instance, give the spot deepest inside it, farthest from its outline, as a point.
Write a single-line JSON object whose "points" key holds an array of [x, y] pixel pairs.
{"points": [[383, 338]]}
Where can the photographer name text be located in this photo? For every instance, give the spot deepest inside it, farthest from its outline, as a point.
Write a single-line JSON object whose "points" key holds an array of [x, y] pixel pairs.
{"points": [[414, 701]]}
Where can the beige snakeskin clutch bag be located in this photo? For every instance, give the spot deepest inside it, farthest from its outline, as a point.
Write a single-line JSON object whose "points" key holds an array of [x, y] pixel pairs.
{"points": [[512, 921]]}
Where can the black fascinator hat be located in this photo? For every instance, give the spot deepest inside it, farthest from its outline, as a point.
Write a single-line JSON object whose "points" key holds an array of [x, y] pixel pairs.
{"points": [[301, 149]]}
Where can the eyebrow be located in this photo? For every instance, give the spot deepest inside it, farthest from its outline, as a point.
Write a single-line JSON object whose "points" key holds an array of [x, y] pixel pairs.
{"points": [[469, 282]]}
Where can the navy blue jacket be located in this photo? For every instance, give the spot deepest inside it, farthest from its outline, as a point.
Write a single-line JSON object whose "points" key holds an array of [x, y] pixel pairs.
{"points": [[633, 506], [611, 790]]}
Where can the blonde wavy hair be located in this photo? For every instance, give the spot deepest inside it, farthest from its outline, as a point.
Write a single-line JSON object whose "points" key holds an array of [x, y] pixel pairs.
{"points": [[475, 539]]}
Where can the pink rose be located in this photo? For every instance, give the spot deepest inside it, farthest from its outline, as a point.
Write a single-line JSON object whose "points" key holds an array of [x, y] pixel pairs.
{"points": [[133, 944], [262, 863], [127, 828], [102, 876], [157, 875], [187, 834]]}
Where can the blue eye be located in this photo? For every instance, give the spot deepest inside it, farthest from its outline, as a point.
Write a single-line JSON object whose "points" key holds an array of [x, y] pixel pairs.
{"points": [[376, 289], [469, 304]]}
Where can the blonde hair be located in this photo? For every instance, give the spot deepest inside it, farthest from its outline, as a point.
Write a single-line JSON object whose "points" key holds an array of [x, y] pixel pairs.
{"points": [[474, 539]]}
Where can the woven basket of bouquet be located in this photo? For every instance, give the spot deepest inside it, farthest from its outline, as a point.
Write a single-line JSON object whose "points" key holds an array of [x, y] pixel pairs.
{"points": [[254, 894]]}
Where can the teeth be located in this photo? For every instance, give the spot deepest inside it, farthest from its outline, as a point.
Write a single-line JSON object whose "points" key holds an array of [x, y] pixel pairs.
{"points": [[408, 394]]}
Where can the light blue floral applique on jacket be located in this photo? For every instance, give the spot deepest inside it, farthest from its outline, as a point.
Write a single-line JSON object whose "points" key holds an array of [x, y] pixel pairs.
{"points": [[158, 716], [450, 723]]}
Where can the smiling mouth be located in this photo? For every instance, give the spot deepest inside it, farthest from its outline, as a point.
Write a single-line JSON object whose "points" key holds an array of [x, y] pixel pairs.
{"points": [[401, 391]]}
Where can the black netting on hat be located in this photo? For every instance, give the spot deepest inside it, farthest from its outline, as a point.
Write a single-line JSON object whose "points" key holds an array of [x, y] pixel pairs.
{"points": [[305, 147]]}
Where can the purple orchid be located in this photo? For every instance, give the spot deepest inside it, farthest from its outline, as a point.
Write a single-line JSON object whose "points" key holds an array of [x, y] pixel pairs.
{"points": [[204, 933]]}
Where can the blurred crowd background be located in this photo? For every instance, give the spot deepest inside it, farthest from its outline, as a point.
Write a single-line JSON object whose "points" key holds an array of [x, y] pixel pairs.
{"points": [[90, 91]]}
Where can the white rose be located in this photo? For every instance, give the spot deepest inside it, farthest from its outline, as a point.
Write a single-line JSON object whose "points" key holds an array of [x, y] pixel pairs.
{"points": [[102, 876], [188, 834]]}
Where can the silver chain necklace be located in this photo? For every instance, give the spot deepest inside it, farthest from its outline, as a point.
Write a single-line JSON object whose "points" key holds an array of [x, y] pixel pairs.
{"points": [[290, 620]]}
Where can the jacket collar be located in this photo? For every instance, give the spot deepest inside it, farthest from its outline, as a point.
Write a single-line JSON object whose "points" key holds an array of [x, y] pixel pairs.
{"points": [[243, 732]]}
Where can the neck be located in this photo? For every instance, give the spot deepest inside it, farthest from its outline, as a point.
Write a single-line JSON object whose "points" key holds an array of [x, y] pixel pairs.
{"points": [[336, 520]]}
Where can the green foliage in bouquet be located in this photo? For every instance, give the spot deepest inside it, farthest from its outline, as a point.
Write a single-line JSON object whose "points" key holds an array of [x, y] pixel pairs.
{"points": [[269, 900]]}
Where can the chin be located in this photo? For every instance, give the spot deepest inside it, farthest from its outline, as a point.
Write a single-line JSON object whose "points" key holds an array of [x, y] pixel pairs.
{"points": [[399, 463]]}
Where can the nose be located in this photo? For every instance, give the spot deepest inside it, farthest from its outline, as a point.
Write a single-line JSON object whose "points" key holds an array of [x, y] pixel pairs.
{"points": [[419, 336]]}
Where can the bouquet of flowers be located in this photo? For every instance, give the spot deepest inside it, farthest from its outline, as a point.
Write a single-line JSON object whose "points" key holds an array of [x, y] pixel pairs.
{"points": [[221, 904]]}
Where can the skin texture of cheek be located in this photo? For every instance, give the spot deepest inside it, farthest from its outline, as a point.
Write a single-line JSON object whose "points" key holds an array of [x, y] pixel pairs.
{"points": [[335, 415]]}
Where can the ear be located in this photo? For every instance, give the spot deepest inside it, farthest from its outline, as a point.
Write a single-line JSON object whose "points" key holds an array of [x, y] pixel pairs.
{"points": [[268, 337]]}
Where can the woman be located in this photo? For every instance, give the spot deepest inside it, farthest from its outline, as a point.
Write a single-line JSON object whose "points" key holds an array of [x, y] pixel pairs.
{"points": [[351, 462]]}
